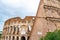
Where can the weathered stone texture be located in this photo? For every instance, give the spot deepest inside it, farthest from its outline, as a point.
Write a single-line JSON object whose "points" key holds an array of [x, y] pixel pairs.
{"points": [[47, 18], [17, 28], [49, 8]]}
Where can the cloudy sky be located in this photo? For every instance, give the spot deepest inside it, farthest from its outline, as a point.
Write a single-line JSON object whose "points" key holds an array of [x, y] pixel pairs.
{"points": [[17, 8]]}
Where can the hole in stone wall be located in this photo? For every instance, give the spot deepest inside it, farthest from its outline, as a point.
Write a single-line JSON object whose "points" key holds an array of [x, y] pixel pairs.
{"points": [[28, 38], [9, 37], [17, 38], [23, 38], [13, 38]]}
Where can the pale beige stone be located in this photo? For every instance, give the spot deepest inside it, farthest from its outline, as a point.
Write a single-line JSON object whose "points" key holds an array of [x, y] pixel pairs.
{"points": [[17, 28]]}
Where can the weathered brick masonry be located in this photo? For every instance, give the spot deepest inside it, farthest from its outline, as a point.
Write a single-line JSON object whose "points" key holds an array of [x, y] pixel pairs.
{"points": [[47, 18]]}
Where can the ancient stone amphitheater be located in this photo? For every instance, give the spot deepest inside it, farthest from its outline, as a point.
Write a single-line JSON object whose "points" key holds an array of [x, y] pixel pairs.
{"points": [[17, 28], [46, 20]]}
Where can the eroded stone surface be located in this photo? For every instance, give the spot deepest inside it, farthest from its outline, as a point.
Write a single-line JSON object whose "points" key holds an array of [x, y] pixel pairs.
{"points": [[17, 28], [47, 19]]}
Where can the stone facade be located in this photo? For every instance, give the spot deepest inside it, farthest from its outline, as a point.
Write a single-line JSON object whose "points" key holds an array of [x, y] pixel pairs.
{"points": [[17, 28], [47, 18]]}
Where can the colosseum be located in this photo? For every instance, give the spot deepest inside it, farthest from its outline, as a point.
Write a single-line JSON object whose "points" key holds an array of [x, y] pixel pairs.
{"points": [[17, 28], [46, 20]]}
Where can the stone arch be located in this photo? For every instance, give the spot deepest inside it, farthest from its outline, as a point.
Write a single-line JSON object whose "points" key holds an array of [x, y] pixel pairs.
{"points": [[28, 37], [17, 30], [14, 30], [23, 38], [6, 37], [9, 37], [11, 29], [17, 38], [13, 38]]}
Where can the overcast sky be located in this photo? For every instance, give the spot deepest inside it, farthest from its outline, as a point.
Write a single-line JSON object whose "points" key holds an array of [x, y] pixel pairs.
{"points": [[17, 8]]}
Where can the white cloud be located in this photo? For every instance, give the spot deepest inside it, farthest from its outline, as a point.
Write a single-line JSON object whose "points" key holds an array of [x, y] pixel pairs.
{"points": [[29, 5], [21, 8]]}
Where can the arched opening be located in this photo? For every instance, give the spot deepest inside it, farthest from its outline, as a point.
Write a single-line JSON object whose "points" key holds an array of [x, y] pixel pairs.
{"points": [[9, 37], [14, 30], [13, 38], [28, 38], [29, 28], [23, 38], [17, 38], [17, 30], [6, 37]]}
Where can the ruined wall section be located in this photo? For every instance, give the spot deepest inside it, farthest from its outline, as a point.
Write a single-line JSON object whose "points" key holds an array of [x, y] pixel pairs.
{"points": [[47, 18]]}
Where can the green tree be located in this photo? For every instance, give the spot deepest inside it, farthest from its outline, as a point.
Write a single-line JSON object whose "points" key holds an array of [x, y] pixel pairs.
{"points": [[0, 35], [52, 36]]}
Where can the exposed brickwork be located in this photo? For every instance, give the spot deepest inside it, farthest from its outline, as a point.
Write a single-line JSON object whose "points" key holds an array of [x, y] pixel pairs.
{"points": [[47, 18], [17, 28]]}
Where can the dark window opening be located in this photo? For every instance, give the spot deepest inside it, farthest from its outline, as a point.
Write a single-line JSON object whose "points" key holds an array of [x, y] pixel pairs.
{"points": [[6, 38], [23, 38], [28, 38], [13, 38], [9, 37], [17, 38], [18, 31], [14, 30]]}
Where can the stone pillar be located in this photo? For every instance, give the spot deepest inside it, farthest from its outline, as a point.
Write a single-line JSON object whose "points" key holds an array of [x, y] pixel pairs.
{"points": [[19, 38], [15, 38], [16, 30], [12, 30], [8, 37], [8, 30], [26, 37], [19, 30], [5, 38], [11, 37]]}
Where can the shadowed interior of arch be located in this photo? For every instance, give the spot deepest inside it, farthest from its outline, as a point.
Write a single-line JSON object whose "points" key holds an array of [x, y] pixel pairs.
{"points": [[23, 38]]}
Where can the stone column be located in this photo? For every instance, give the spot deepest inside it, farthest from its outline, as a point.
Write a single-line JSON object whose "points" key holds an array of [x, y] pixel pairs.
{"points": [[11, 37], [15, 38], [16, 30], [19, 38], [5, 38], [26, 37], [8, 30], [12, 30], [8, 37]]}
